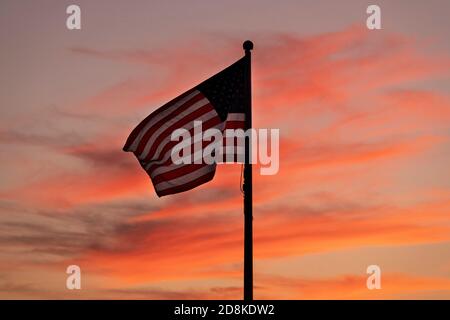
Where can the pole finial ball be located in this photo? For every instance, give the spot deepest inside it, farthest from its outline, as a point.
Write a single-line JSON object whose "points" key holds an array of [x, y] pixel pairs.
{"points": [[248, 45]]}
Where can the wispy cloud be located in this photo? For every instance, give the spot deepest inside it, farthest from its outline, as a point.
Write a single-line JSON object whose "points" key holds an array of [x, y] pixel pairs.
{"points": [[353, 125]]}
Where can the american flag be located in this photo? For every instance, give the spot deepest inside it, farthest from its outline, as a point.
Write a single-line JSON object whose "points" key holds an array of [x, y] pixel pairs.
{"points": [[218, 102]]}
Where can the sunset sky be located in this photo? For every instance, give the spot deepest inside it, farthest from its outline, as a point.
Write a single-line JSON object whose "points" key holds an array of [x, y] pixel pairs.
{"points": [[364, 119]]}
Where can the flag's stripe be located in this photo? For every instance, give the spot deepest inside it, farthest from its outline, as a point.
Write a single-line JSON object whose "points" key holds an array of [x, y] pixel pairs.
{"points": [[160, 172], [150, 136], [157, 117], [236, 117], [178, 175], [157, 173], [189, 177], [235, 125], [208, 114], [165, 154], [192, 102], [136, 135], [150, 142], [187, 186], [169, 166], [235, 121], [132, 137], [165, 161], [180, 171]]}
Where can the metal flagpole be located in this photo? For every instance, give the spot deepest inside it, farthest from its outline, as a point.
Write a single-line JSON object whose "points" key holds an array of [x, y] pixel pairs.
{"points": [[248, 207]]}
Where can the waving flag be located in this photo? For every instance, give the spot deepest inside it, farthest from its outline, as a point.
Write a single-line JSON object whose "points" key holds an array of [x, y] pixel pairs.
{"points": [[218, 102]]}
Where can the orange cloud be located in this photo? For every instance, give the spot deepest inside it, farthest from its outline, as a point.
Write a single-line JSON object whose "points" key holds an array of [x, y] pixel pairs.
{"points": [[204, 244], [345, 128], [393, 286]]}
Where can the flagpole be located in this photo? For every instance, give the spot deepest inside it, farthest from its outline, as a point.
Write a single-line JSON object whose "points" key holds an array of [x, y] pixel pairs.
{"points": [[248, 184]]}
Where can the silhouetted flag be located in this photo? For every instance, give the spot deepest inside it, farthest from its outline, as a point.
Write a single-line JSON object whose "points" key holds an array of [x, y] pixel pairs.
{"points": [[218, 102]]}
